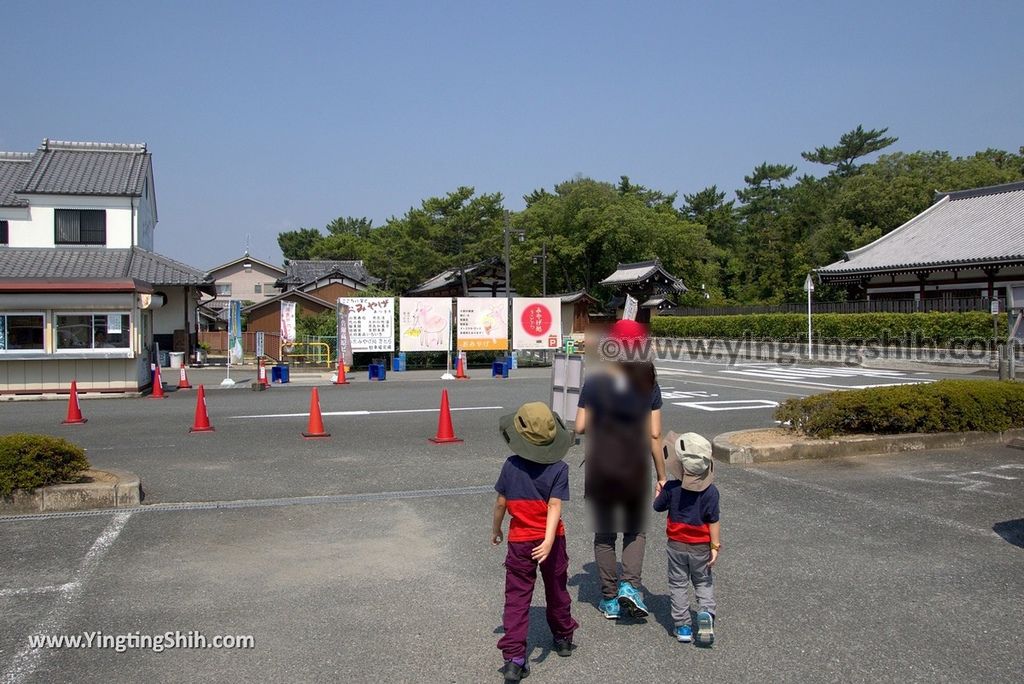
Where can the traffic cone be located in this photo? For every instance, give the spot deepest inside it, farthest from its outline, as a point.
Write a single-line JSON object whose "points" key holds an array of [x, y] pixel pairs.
{"points": [[340, 378], [460, 373], [183, 382], [315, 428], [158, 385], [263, 375], [445, 432], [202, 420], [74, 410]]}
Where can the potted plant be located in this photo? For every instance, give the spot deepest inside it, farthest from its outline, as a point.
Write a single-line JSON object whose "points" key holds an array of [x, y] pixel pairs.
{"points": [[203, 349]]}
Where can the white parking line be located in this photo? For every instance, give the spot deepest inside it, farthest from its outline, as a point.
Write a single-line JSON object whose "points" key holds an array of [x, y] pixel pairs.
{"points": [[728, 405], [370, 413], [4, 593], [26, 660]]}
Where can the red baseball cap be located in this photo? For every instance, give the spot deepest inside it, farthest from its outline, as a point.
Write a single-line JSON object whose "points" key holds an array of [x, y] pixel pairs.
{"points": [[627, 330]]}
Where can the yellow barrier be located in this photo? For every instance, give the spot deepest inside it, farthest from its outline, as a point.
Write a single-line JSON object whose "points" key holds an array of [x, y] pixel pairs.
{"points": [[322, 351]]}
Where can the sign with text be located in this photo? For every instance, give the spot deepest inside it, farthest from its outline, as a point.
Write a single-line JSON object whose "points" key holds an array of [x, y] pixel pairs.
{"points": [[630, 308], [371, 323], [536, 322], [482, 324], [287, 322], [424, 324], [234, 332], [344, 344]]}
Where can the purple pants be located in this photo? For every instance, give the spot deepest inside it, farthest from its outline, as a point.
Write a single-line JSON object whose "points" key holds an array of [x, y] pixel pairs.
{"points": [[520, 576]]}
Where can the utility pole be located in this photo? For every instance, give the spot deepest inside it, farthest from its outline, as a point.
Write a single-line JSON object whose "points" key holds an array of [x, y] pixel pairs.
{"points": [[544, 267], [508, 270], [809, 288]]}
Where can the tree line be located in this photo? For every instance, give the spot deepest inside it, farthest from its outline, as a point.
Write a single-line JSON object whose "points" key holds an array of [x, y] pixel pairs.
{"points": [[755, 246]]}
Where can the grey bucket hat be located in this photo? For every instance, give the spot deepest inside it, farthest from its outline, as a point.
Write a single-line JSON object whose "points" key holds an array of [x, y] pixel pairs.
{"points": [[688, 458], [536, 433]]}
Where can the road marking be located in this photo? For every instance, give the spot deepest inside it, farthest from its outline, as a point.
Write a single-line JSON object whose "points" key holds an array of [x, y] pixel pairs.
{"points": [[26, 660], [696, 394], [703, 380], [370, 413], [873, 504], [965, 481], [728, 405]]}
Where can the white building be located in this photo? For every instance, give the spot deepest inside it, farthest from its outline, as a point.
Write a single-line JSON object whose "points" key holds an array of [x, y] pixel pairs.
{"points": [[82, 294]]}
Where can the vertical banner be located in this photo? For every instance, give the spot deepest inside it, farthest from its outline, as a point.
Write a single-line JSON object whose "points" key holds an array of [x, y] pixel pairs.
{"points": [[287, 323], [235, 332], [536, 322], [344, 344], [424, 324], [482, 324], [371, 323], [630, 308]]}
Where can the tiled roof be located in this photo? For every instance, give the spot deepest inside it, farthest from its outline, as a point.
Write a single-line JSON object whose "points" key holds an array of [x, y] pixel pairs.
{"points": [[452, 277], [98, 263], [635, 273], [977, 226], [302, 271], [286, 295], [572, 297], [85, 168], [13, 167], [246, 258]]}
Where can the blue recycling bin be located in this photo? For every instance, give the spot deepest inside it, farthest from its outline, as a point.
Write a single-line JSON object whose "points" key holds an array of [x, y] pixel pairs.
{"points": [[398, 363], [499, 369], [279, 373], [377, 371]]}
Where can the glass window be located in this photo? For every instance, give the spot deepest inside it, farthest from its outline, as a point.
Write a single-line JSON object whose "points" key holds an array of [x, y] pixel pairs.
{"points": [[258, 288], [21, 332], [80, 226], [223, 289], [93, 331], [5, 237], [269, 289]]}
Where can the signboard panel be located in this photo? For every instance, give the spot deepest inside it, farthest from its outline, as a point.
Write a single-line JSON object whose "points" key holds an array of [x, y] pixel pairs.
{"points": [[344, 344], [482, 323], [424, 324], [371, 323], [630, 308], [536, 322]]}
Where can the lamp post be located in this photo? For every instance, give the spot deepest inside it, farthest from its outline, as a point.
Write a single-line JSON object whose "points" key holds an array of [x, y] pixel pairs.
{"points": [[809, 288], [542, 259], [520, 235]]}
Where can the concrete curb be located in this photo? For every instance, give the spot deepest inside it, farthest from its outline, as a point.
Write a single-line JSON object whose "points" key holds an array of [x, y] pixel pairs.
{"points": [[725, 449], [109, 489]]}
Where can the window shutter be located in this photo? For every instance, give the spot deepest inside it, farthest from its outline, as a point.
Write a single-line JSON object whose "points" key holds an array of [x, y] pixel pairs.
{"points": [[67, 226]]}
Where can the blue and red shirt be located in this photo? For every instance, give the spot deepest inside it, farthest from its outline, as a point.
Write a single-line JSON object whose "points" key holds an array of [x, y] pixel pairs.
{"points": [[527, 487], [688, 512]]}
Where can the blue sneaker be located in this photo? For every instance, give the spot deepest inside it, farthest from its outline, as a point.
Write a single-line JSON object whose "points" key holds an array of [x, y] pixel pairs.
{"points": [[705, 628], [610, 608], [684, 634], [631, 600]]}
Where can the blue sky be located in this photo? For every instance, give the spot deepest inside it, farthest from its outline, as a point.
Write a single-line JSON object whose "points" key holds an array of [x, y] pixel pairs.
{"points": [[264, 117]]}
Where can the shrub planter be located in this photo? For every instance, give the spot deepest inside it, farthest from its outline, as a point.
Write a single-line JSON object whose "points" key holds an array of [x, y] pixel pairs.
{"points": [[766, 446], [100, 489]]}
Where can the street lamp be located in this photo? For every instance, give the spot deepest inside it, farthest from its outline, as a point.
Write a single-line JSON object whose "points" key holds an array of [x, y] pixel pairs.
{"points": [[542, 259]]}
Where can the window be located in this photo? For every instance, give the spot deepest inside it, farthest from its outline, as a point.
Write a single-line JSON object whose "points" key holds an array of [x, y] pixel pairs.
{"points": [[80, 226], [5, 238], [269, 289], [258, 288], [93, 331], [21, 332], [223, 289]]}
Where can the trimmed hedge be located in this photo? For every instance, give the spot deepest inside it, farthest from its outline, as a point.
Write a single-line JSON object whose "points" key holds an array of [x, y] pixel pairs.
{"points": [[31, 461], [944, 406], [892, 328]]}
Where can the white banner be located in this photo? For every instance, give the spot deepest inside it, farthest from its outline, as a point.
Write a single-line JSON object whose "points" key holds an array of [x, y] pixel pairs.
{"points": [[630, 308], [371, 323], [287, 322], [483, 324], [424, 324], [536, 322]]}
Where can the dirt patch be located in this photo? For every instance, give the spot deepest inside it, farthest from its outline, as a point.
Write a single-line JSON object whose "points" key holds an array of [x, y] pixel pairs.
{"points": [[769, 437]]}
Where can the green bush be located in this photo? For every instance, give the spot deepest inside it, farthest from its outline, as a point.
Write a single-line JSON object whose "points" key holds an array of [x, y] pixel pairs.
{"points": [[944, 406], [904, 329], [30, 461]]}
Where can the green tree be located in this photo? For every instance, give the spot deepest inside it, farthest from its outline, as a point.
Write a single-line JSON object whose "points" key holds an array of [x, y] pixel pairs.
{"points": [[349, 225], [298, 244], [852, 146]]}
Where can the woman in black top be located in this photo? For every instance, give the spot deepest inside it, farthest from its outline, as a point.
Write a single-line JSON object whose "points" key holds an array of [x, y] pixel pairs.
{"points": [[620, 412]]}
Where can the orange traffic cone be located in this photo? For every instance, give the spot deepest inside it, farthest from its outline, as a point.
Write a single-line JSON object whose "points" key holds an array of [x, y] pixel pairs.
{"points": [[460, 373], [202, 420], [183, 382], [158, 385], [445, 432], [74, 410], [315, 428], [263, 375], [340, 378]]}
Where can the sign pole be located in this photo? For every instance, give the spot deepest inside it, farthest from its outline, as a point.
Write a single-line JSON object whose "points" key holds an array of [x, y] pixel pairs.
{"points": [[809, 287]]}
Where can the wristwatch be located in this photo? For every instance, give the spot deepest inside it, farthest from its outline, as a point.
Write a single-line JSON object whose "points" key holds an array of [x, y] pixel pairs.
{"points": [[715, 547]]}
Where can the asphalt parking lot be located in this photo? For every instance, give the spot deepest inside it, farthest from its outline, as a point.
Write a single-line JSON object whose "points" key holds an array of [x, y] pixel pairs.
{"points": [[365, 557]]}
